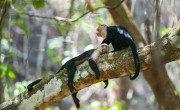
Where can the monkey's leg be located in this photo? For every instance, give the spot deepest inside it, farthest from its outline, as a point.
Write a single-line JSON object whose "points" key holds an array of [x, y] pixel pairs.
{"points": [[94, 67], [76, 100], [71, 71], [30, 86], [106, 83]]}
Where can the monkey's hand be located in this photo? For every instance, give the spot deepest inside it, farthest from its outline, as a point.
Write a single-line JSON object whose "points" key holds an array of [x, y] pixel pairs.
{"points": [[101, 49]]}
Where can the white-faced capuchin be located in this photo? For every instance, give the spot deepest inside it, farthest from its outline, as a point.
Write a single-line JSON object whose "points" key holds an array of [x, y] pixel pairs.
{"points": [[71, 65], [120, 39]]}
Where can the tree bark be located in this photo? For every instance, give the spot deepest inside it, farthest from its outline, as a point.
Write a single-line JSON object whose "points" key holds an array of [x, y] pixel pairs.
{"points": [[3, 6], [123, 17], [112, 65]]}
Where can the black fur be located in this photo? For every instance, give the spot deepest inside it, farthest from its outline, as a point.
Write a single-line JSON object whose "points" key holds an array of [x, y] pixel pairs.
{"points": [[94, 67], [30, 86], [121, 39], [71, 69], [76, 100], [71, 66]]}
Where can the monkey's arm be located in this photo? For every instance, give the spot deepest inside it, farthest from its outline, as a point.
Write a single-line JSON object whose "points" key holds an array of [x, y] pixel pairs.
{"points": [[106, 41], [103, 48]]}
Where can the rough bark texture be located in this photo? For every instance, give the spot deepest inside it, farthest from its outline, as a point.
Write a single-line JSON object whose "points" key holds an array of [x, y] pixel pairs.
{"points": [[3, 13], [112, 65], [162, 88], [123, 17]]}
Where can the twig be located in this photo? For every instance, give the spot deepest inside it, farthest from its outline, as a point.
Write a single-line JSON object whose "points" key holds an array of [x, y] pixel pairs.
{"points": [[57, 18]]}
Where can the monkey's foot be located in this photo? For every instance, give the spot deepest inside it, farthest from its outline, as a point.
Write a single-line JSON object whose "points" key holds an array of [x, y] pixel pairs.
{"points": [[106, 83]]}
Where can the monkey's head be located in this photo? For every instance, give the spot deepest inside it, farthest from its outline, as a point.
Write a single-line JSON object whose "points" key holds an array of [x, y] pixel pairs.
{"points": [[102, 31], [103, 48]]}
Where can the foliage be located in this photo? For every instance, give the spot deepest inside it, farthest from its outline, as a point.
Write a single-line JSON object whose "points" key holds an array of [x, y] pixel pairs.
{"points": [[6, 71], [112, 84], [38, 3], [99, 21], [7, 68], [165, 30], [14, 90], [97, 105]]}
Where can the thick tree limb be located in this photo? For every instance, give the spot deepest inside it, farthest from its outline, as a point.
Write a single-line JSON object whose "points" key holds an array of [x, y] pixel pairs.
{"points": [[112, 65], [158, 81]]}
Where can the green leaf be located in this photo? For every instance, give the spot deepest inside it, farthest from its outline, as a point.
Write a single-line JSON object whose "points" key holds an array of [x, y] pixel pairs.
{"points": [[9, 85], [50, 52], [26, 30], [20, 21], [38, 3], [15, 69], [57, 59], [10, 40], [62, 28], [1, 66], [80, 20], [165, 30], [47, 108], [23, 27], [13, 1], [12, 22], [11, 75], [2, 74], [99, 21], [103, 1], [98, 84]]}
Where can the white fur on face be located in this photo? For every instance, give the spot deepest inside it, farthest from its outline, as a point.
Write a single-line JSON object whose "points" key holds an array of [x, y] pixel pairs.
{"points": [[101, 31]]}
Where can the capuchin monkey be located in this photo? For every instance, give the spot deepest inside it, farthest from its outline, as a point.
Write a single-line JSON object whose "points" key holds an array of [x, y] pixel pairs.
{"points": [[71, 65], [90, 54], [120, 39]]}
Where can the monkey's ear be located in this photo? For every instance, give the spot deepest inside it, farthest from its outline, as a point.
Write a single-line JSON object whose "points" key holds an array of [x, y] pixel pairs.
{"points": [[104, 25]]}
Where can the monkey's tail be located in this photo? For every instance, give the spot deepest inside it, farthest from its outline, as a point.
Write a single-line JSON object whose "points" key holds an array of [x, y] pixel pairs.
{"points": [[60, 69], [30, 86], [136, 60]]}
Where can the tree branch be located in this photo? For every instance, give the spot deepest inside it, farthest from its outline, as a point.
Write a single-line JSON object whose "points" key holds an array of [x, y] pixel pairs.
{"points": [[57, 18], [112, 65]]}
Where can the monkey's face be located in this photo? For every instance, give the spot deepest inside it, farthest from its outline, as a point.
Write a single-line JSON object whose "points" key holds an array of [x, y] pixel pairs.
{"points": [[101, 31], [103, 48]]}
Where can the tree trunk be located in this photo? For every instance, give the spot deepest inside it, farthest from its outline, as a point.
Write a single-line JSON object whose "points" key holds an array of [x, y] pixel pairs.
{"points": [[3, 6], [123, 17]]}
